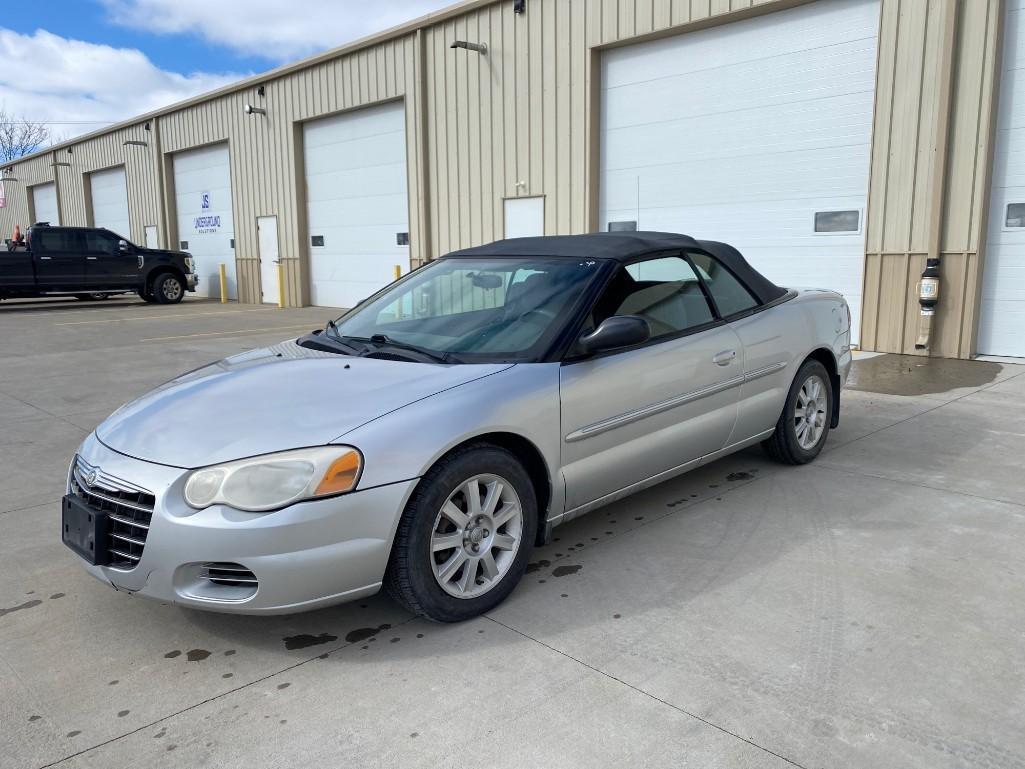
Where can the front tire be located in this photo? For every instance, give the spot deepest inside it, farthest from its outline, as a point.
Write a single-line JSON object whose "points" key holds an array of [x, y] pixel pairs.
{"points": [[465, 536], [168, 288], [803, 426]]}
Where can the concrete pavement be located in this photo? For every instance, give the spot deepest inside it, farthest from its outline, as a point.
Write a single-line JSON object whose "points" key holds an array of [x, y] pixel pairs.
{"points": [[863, 611]]}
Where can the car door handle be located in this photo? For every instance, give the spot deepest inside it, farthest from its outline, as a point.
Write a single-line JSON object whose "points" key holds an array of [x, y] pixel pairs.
{"points": [[91, 258], [45, 258], [724, 358]]}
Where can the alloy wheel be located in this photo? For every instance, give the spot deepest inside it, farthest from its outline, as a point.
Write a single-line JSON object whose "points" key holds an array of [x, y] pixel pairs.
{"points": [[810, 412], [476, 536], [172, 289]]}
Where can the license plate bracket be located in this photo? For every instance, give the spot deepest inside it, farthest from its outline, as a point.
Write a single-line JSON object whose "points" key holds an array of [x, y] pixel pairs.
{"points": [[84, 530]]}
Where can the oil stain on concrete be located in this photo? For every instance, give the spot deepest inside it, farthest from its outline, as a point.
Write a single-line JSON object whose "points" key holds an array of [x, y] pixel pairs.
{"points": [[305, 640], [19, 607], [918, 375]]}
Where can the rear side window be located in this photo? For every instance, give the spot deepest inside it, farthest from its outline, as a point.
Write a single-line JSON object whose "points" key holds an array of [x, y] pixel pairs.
{"points": [[729, 294], [56, 240]]}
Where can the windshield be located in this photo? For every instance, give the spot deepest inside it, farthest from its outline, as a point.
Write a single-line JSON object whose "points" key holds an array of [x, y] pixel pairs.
{"points": [[475, 309]]}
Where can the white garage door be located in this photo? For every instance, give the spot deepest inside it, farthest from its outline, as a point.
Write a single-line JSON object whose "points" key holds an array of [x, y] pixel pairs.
{"points": [[756, 133], [110, 201], [1002, 313], [44, 203], [202, 193], [358, 206]]}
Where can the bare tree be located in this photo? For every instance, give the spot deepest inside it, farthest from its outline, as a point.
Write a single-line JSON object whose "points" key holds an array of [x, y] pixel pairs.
{"points": [[20, 136]]}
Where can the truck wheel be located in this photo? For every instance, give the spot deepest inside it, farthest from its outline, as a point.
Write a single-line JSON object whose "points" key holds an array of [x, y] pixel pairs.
{"points": [[168, 288], [465, 536], [804, 424]]}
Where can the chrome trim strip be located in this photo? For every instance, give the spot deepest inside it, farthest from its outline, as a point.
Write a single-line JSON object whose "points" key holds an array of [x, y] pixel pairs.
{"points": [[125, 555], [758, 373], [620, 420], [107, 481], [125, 538], [112, 500], [127, 521]]}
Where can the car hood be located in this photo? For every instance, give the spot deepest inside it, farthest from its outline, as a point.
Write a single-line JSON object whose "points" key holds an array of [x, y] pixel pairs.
{"points": [[271, 399]]}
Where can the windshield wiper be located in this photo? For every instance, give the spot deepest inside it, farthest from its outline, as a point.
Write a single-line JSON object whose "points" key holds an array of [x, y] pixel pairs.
{"points": [[331, 332], [384, 340]]}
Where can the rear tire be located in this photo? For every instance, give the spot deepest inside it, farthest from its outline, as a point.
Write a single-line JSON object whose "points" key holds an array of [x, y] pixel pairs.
{"points": [[168, 288], [803, 426], [443, 534]]}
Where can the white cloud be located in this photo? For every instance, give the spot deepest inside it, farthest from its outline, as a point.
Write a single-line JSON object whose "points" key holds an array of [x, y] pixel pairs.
{"points": [[272, 29], [51, 78]]}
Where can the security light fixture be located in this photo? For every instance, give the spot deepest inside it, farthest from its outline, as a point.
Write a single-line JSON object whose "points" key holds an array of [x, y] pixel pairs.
{"points": [[261, 91], [62, 163], [520, 6], [481, 48], [135, 143], [147, 127], [251, 110]]}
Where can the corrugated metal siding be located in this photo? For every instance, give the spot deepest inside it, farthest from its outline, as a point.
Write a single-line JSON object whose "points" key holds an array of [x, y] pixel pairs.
{"points": [[919, 132]]}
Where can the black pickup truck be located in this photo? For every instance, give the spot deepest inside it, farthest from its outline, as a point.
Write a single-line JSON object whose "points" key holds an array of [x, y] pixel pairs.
{"points": [[92, 263]]}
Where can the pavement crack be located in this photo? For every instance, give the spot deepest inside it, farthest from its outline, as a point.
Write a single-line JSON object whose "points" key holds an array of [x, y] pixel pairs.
{"points": [[214, 698], [647, 694]]}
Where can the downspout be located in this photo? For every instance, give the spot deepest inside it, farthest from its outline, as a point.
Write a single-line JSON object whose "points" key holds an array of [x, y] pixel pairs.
{"points": [[929, 285]]}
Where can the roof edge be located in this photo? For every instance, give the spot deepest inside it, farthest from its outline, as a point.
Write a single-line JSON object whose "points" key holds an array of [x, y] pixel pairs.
{"points": [[402, 30]]}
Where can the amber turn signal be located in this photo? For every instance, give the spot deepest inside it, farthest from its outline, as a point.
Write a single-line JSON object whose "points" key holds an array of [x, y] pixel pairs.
{"points": [[341, 476]]}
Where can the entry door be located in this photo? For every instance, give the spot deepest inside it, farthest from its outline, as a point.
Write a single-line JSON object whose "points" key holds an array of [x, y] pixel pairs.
{"points": [[152, 239], [524, 217], [631, 415], [267, 227]]}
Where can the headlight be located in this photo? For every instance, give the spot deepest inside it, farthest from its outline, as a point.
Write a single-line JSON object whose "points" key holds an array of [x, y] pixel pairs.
{"points": [[190, 263], [273, 481]]}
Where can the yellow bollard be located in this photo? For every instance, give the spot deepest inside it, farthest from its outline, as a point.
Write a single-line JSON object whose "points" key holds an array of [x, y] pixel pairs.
{"points": [[398, 272], [281, 285], [224, 284]]}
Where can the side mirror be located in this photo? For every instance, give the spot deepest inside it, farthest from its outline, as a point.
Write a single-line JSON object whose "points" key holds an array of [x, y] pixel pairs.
{"points": [[617, 331], [122, 246]]}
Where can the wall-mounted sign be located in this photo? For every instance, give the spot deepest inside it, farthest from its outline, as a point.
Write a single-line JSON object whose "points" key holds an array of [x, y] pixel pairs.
{"points": [[205, 197], [206, 224]]}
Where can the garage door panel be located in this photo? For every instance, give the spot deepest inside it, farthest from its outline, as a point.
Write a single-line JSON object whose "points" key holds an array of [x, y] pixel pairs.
{"points": [[744, 88], [714, 181], [357, 212], [743, 131], [840, 123], [774, 36], [357, 200], [1002, 309], [339, 185]]}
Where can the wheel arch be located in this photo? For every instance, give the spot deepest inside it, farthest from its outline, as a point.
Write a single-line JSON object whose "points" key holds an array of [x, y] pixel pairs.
{"points": [[533, 462], [826, 357]]}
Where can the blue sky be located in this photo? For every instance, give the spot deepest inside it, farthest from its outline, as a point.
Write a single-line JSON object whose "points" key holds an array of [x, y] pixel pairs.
{"points": [[78, 64]]}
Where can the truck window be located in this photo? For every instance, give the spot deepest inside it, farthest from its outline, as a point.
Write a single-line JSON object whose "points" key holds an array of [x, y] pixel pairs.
{"points": [[56, 241], [101, 242]]}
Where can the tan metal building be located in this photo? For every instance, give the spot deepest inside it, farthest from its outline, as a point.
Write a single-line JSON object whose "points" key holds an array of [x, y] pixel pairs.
{"points": [[835, 142]]}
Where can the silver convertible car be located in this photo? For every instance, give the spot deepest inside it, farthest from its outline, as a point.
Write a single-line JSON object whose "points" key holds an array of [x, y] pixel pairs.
{"points": [[429, 438]]}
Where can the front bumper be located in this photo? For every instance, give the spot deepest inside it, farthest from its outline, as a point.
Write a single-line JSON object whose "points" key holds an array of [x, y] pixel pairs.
{"points": [[191, 282], [307, 556]]}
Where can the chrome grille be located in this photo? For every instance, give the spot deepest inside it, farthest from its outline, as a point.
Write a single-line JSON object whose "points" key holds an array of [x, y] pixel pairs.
{"points": [[230, 574], [129, 510]]}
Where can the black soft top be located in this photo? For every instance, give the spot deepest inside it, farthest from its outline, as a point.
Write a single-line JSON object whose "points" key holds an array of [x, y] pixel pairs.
{"points": [[624, 246]]}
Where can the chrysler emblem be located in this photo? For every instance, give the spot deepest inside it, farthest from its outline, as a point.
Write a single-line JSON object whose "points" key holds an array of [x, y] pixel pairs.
{"points": [[90, 479]]}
